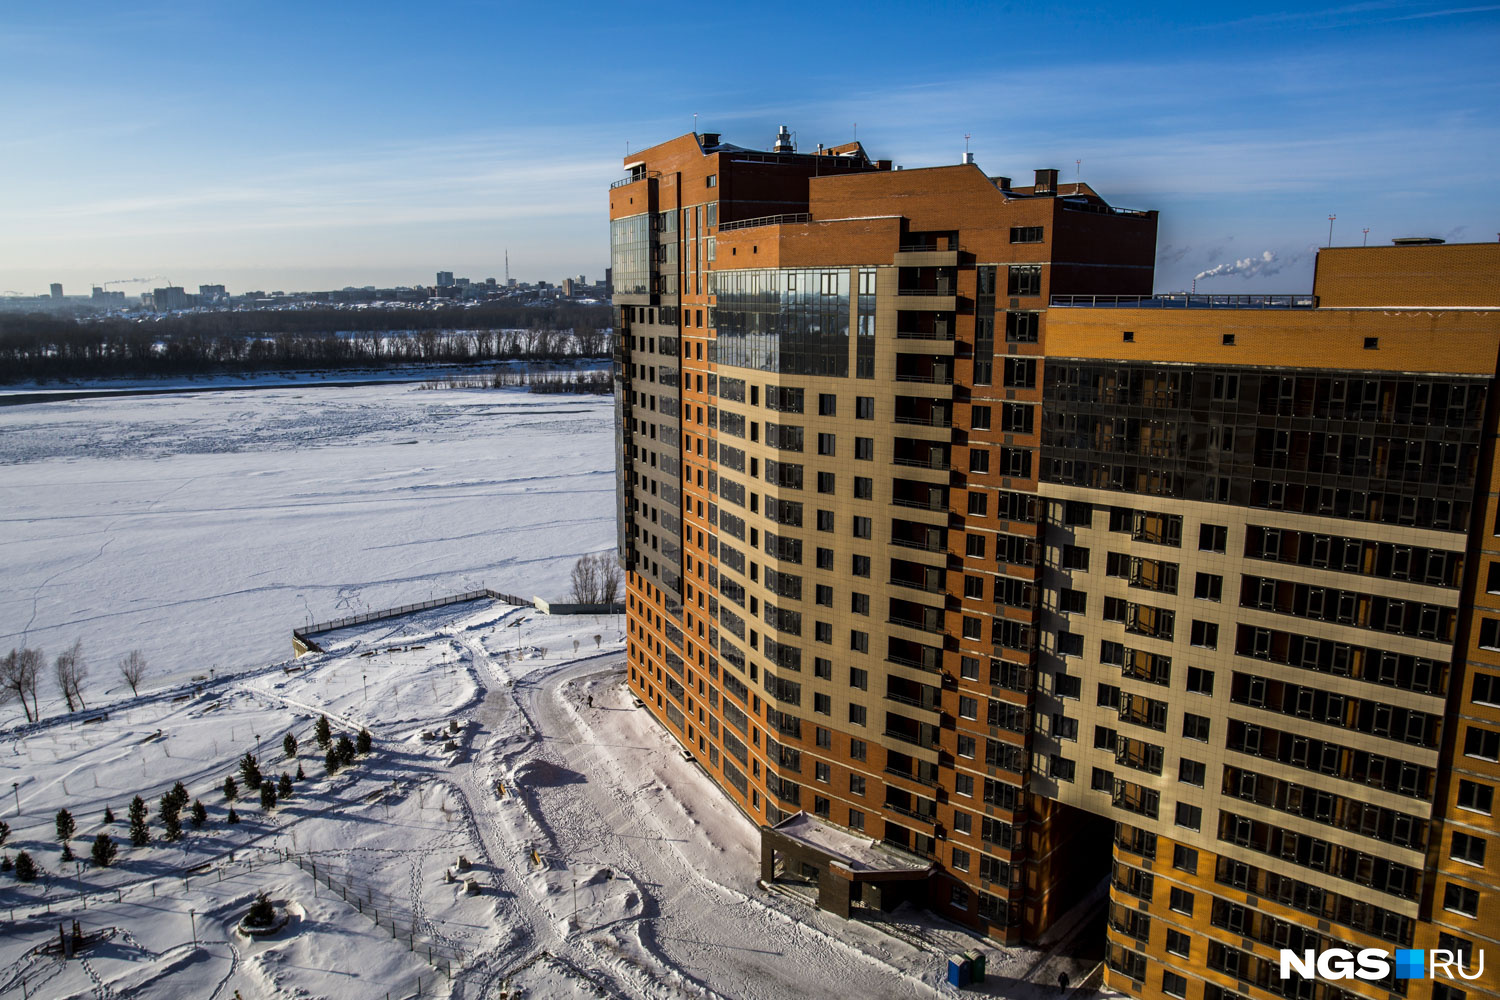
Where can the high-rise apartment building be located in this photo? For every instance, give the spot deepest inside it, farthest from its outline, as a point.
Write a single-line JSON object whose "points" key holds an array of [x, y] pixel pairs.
{"points": [[977, 575]]}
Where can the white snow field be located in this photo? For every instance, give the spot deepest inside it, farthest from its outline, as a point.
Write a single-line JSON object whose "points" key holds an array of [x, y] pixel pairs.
{"points": [[642, 882], [200, 528]]}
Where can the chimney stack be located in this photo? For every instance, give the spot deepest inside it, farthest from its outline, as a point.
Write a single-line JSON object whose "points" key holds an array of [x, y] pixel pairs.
{"points": [[1046, 181], [783, 141]]}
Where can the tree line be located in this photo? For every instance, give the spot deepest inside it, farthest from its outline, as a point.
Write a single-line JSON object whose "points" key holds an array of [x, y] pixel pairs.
{"points": [[42, 346], [21, 674]]}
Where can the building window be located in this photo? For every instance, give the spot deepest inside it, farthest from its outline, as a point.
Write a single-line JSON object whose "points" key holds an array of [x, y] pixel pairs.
{"points": [[1026, 234], [960, 859], [1461, 899], [966, 746], [1181, 901], [822, 668], [825, 482], [1190, 772], [1205, 634], [1483, 744], [968, 668], [1200, 681], [1075, 557], [857, 752], [1070, 644], [1213, 538], [859, 641], [1195, 727], [1486, 689], [1061, 768], [859, 679], [864, 449], [857, 714], [1208, 587], [974, 546], [1475, 797], [862, 527], [973, 627], [856, 819], [1101, 780], [864, 407], [1068, 686], [1188, 816], [962, 822], [825, 520], [822, 704], [821, 772], [1468, 849], [1178, 943], [979, 418], [828, 404], [1172, 984], [826, 444], [979, 460], [864, 488], [821, 737], [963, 784], [1185, 859], [857, 784], [1072, 602], [823, 631]]}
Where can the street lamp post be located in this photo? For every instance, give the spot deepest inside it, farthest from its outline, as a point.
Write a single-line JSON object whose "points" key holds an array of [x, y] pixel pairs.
{"points": [[15, 787], [193, 917]]}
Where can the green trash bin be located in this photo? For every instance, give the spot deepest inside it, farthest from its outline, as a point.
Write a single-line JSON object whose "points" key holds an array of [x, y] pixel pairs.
{"points": [[976, 965]]}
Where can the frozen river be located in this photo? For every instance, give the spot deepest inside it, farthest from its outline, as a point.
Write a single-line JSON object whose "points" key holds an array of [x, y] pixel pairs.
{"points": [[201, 528]]}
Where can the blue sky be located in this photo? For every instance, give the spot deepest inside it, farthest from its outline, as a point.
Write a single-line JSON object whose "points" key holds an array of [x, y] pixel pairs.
{"points": [[314, 145]]}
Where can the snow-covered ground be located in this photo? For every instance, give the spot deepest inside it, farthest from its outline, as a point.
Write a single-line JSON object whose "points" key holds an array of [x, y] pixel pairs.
{"points": [[606, 864], [200, 528]]}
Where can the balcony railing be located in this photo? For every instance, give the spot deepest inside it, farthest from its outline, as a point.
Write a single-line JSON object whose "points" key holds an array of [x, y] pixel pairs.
{"points": [[766, 220], [942, 291], [919, 504], [903, 661], [926, 706], [933, 627], [632, 179], [916, 585], [891, 807], [942, 378], [934, 421], [909, 543], [915, 739], [1188, 301], [936, 464], [921, 335]]}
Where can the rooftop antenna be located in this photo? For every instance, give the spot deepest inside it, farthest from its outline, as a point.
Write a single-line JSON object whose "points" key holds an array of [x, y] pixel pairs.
{"points": [[1330, 229], [1367, 237], [507, 265], [1077, 175]]}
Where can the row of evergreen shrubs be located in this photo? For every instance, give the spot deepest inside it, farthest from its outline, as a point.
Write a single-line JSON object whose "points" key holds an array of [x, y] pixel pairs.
{"points": [[338, 754]]}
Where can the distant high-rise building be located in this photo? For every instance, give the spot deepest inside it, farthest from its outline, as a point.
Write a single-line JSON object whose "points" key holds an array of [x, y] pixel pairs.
{"points": [[57, 290], [461, 282], [445, 279], [567, 287], [977, 575], [169, 298], [101, 295]]}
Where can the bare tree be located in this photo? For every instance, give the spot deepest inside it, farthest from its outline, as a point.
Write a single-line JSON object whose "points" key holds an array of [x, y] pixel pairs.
{"points": [[133, 668], [610, 578], [70, 670], [585, 579], [18, 678]]}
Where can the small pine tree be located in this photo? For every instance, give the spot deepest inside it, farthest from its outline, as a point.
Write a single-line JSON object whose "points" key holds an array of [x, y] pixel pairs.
{"points": [[331, 761], [104, 851], [267, 796], [363, 742], [6, 864], [109, 815], [172, 824], [250, 771], [284, 786], [323, 732], [26, 869], [179, 794], [67, 851], [345, 750], [301, 776], [231, 790], [139, 835], [200, 814], [65, 825], [4, 832], [233, 816], [289, 745], [262, 913]]}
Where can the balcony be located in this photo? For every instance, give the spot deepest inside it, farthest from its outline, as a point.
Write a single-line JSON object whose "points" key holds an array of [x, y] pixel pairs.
{"points": [[929, 819], [1187, 301], [926, 253], [766, 220]]}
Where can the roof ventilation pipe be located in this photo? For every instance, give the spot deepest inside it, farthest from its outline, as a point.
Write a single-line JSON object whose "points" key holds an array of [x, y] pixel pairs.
{"points": [[784, 142]]}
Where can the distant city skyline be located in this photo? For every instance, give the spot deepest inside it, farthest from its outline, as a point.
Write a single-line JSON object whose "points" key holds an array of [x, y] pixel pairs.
{"points": [[301, 148]]}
